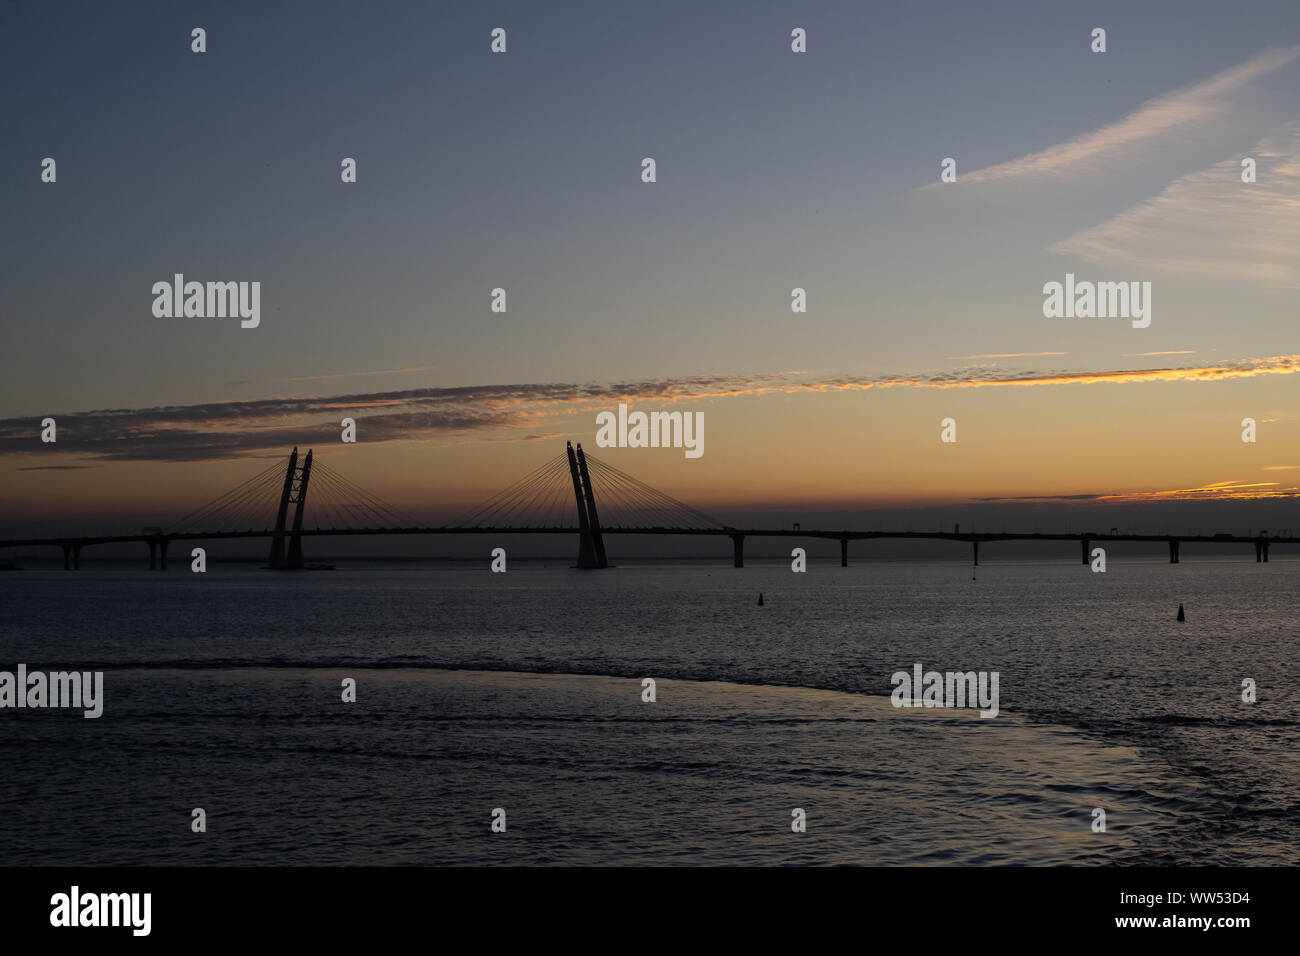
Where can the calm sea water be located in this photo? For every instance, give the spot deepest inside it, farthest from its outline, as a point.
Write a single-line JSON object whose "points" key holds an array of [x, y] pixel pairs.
{"points": [[522, 691]]}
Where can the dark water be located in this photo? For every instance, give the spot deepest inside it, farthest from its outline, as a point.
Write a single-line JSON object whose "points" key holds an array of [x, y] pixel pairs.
{"points": [[523, 692]]}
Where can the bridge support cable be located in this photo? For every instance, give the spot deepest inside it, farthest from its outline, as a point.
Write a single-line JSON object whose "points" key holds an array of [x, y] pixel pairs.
{"points": [[342, 504], [536, 500], [224, 513], [641, 506], [377, 512], [542, 506], [329, 510]]}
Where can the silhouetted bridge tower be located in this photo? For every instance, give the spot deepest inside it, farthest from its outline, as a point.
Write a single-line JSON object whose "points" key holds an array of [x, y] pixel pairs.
{"points": [[558, 497], [296, 480], [591, 544]]}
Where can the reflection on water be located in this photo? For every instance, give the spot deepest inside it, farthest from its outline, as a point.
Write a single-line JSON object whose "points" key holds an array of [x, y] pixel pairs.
{"points": [[223, 692]]}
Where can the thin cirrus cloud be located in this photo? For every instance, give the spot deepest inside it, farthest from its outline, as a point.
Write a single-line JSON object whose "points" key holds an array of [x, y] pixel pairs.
{"points": [[1187, 107], [994, 355], [1217, 491], [1210, 223], [238, 429]]}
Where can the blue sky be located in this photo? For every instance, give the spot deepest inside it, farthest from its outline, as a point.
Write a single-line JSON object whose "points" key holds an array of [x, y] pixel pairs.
{"points": [[775, 170]]}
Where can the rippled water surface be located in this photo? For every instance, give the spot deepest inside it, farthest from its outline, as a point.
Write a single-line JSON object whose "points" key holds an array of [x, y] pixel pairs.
{"points": [[523, 691]]}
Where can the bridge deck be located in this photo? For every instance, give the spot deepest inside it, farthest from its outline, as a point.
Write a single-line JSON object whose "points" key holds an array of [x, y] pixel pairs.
{"points": [[968, 536]]}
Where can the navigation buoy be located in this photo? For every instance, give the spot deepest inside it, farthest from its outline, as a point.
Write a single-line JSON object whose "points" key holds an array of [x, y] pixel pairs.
{"points": [[1181, 616], [760, 598]]}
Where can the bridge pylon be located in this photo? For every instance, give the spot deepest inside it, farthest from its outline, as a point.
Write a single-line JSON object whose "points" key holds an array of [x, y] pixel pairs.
{"points": [[593, 519], [591, 545], [294, 492], [276, 557]]}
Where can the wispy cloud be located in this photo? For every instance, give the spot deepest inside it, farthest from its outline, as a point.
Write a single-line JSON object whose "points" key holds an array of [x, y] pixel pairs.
{"points": [[1147, 354], [551, 436], [986, 378], [1211, 223], [1216, 491], [1180, 109], [990, 355], [1014, 498], [522, 412], [55, 467]]}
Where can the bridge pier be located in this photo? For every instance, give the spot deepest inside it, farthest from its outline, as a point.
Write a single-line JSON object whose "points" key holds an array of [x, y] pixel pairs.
{"points": [[1085, 542], [1261, 551], [977, 552], [738, 550], [162, 554], [1173, 551], [844, 552], [67, 557], [76, 557]]}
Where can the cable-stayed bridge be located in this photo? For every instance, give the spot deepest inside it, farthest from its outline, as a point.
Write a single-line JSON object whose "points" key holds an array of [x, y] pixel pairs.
{"points": [[572, 494]]}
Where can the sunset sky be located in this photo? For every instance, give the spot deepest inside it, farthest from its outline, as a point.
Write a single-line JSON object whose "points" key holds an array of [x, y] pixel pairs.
{"points": [[775, 170]]}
